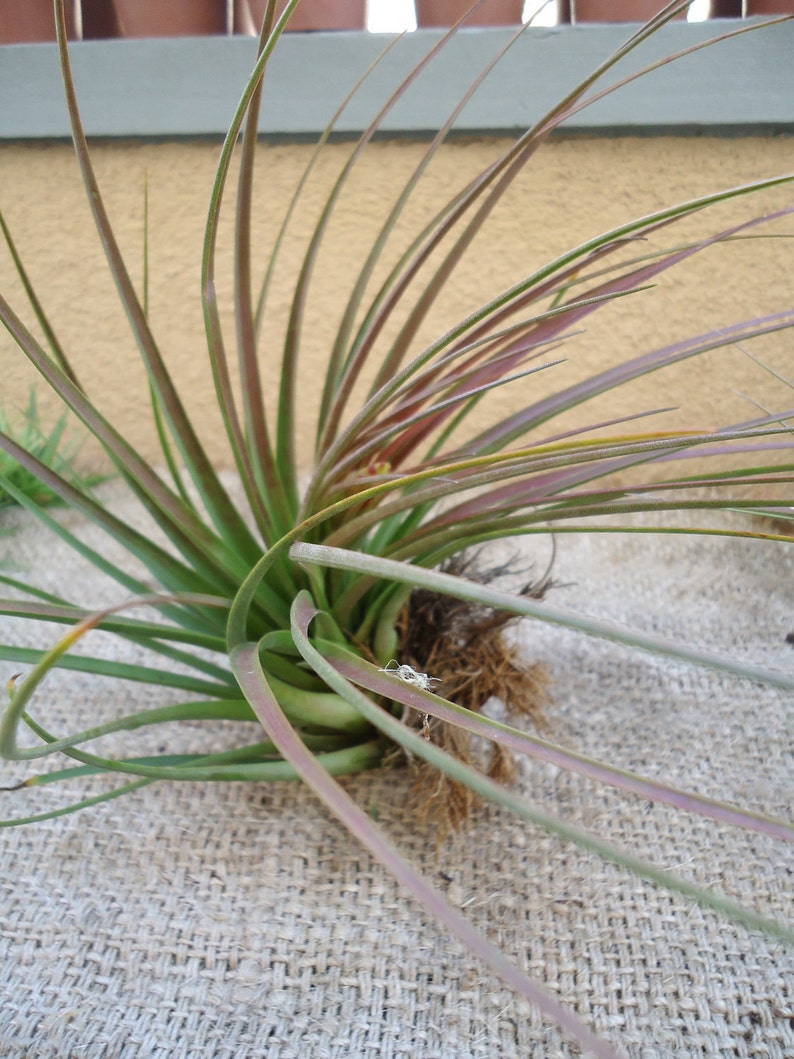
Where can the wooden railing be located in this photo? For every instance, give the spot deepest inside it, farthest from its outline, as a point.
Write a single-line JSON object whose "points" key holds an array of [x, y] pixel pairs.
{"points": [[26, 21]]}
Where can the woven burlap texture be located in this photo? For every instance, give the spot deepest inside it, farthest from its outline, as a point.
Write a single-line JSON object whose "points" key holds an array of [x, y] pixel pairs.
{"points": [[241, 921]]}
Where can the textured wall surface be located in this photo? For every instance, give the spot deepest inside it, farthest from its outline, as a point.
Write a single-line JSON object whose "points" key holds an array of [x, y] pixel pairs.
{"points": [[572, 190]]}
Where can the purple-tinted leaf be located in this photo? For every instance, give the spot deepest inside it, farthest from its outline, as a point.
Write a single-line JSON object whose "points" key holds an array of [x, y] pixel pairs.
{"points": [[203, 473], [332, 410], [254, 684], [387, 685], [542, 411], [38, 309], [460, 588], [415, 743]]}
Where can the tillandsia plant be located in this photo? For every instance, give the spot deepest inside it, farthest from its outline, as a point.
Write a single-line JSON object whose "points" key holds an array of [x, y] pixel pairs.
{"points": [[307, 608]]}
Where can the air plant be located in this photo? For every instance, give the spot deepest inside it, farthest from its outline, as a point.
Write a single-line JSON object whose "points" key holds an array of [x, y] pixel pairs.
{"points": [[298, 608]]}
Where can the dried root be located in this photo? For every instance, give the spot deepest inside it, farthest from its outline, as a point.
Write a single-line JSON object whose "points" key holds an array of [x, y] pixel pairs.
{"points": [[463, 644]]}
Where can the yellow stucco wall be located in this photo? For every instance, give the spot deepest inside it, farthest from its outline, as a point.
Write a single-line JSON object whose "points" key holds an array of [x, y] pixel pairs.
{"points": [[574, 188]]}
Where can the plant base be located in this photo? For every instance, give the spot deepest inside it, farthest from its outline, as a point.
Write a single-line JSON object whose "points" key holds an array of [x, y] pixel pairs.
{"points": [[464, 646]]}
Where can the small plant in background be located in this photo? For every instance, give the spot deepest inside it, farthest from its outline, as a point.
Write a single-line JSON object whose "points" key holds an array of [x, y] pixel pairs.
{"points": [[313, 607], [54, 447]]}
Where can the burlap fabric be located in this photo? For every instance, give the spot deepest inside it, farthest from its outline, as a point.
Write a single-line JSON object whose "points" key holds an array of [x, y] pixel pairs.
{"points": [[239, 921]]}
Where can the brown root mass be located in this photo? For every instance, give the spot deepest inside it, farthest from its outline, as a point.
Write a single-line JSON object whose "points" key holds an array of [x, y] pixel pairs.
{"points": [[464, 646]]}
